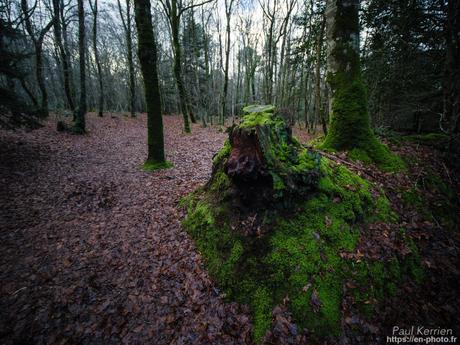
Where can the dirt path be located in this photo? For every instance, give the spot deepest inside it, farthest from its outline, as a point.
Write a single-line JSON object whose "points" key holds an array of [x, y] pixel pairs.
{"points": [[91, 246]]}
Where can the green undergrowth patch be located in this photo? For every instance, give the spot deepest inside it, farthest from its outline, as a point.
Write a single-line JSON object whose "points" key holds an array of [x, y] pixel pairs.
{"points": [[379, 154], [300, 256], [378, 280], [428, 138], [152, 166], [442, 205]]}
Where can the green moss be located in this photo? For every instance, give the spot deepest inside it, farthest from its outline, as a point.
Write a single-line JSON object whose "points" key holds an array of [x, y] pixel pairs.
{"points": [[152, 166], [349, 127], [293, 168], [377, 280], [427, 138], [254, 119], [359, 155], [263, 305], [223, 153], [384, 212], [299, 255], [441, 207], [255, 108], [220, 182]]}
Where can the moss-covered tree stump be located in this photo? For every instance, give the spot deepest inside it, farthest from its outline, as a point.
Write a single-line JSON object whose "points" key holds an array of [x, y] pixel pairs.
{"points": [[265, 163], [277, 222]]}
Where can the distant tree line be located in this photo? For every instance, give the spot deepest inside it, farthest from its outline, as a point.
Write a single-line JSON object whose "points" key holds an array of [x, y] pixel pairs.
{"points": [[214, 56]]}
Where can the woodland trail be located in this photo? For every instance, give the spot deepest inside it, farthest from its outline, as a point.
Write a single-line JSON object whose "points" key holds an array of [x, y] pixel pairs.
{"points": [[92, 251]]}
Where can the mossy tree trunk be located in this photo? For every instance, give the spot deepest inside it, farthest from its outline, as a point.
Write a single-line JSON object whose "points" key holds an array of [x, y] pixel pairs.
{"points": [[148, 58], [349, 126]]}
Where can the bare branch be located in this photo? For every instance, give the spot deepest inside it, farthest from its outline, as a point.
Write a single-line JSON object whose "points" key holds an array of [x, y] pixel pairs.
{"points": [[186, 8]]}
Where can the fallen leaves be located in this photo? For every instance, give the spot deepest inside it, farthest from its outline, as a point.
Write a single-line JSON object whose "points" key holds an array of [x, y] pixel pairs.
{"points": [[315, 302], [92, 249]]}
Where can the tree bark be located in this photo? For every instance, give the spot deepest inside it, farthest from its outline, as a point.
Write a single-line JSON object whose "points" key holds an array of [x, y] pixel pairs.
{"points": [[349, 126], [96, 58], [129, 45], [66, 68], [147, 52], [228, 13], [80, 125], [177, 69], [319, 47]]}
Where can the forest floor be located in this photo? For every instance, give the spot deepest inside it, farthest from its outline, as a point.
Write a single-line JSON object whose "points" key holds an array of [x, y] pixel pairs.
{"points": [[92, 251]]}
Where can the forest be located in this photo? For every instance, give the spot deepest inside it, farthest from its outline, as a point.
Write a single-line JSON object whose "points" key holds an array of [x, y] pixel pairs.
{"points": [[229, 171]]}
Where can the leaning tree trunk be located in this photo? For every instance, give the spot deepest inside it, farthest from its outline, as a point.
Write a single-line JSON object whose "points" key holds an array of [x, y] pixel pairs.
{"points": [[349, 126], [148, 58]]}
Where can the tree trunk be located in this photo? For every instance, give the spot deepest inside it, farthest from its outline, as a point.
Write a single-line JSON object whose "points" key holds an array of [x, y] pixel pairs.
{"points": [[177, 70], [228, 13], [98, 63], [148, 59], [66, 68], [349, 127], [38, 44], [80, 118], [319, 47], [129, 43], [40, 80]]}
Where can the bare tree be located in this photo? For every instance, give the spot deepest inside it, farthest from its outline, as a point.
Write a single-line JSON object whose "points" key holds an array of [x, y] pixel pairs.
{"points": [[63, 52], [173, 10], [37, 40], [129, 44], [80, 125], [94, 9], [228, 15]]}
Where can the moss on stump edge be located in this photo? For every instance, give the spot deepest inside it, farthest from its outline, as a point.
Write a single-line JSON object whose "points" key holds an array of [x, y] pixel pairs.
{"points": [[152, 166], [259, 253]]}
